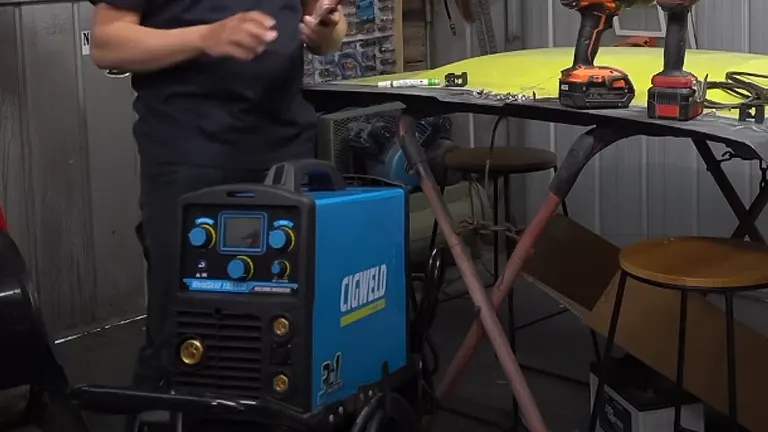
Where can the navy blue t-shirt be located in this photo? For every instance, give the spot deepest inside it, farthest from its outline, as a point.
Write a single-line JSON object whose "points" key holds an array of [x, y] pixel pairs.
{"points": [[219, 112]]}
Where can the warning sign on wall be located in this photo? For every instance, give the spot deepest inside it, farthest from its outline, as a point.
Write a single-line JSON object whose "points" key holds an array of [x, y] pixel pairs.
{"points": [[85, 42]]}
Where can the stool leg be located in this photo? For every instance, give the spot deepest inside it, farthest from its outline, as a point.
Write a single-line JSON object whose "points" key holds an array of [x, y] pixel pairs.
{"points": [[508, 246], [599, 404], [681, 331], [496, 275], [731, 354], [595, 345]]}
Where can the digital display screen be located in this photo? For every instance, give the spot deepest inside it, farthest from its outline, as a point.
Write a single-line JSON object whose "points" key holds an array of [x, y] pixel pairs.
{"points": [[243, 232]]}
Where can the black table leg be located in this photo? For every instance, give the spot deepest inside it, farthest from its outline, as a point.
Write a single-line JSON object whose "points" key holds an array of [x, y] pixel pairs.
{"points": [[746, 220], [755, 210]]}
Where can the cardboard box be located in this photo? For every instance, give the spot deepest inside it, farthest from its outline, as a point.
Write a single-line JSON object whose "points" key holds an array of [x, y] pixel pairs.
{"points": [[583, 267]]}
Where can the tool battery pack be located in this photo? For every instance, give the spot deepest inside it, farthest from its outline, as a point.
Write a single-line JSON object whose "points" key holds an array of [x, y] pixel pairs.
{"points": [[679, 104]]}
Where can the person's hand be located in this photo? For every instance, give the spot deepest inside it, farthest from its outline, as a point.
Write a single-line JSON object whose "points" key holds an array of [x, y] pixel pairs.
{"points": [[317, 29], [243, 36]]}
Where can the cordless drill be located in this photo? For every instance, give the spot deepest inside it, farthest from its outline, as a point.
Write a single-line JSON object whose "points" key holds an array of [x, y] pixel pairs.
{"points": [[676, 94], [584, 85]]}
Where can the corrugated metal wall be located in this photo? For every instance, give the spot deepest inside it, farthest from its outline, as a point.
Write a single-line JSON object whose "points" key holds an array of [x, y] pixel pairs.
{"points": [[69, 173], [641, 187]]}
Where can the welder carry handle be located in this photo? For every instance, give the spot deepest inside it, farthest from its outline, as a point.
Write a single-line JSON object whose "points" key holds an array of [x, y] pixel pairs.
{"points": [[320, 175]]}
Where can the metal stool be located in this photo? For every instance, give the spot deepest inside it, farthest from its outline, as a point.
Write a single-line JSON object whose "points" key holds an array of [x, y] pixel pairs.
{"points": [[689, 264], [501, 163], [504, 161]]}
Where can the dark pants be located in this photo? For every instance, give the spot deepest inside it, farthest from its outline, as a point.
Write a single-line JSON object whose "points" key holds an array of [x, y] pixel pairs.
{"points": [[160, 236]]}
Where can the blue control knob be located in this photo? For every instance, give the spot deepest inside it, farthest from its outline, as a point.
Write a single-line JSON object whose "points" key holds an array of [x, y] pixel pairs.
{"points": [[280, 269], [202, 236], [240, 268], [282, 239]]}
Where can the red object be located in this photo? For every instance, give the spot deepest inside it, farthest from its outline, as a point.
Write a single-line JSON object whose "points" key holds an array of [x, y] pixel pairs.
{"points": [[637, 41], [673, 82], [3, 222], [674, 103]]}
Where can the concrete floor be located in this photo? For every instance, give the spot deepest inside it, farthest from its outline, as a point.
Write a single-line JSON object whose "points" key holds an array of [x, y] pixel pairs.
{"points": [[561, 344]]}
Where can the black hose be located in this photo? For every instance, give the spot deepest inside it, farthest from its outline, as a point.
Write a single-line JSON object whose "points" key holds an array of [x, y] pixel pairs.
{"points": [[375, 416], [365, 417], [426, 313], [377, 423]]}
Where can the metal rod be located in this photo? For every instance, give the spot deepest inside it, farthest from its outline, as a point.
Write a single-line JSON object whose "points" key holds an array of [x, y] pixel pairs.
{"points": [[755, 210], [540, 319], [679, 380], [508, 246], [731, 354], [605, 364], [503, 285], [496, 242], [469, 274], [729, 192]]}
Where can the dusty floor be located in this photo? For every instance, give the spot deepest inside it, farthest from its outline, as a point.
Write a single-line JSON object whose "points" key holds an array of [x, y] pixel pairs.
{"points": [[561, 344]]}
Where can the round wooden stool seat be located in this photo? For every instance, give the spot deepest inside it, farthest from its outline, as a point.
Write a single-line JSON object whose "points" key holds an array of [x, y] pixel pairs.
{"points": [[504, 160], [698, 262]]}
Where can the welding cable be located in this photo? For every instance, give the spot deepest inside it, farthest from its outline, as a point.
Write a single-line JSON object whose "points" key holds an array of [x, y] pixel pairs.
{"points": [[376, 415], [482, 225], [427, 313], [740, 85]]}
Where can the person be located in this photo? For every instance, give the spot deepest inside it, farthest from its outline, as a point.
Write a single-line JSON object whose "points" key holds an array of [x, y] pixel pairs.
{"points": [[219, 100]]}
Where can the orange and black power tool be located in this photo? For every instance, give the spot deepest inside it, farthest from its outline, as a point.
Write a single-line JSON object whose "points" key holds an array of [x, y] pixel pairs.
{"points": [[676, 94], [584, 85]]}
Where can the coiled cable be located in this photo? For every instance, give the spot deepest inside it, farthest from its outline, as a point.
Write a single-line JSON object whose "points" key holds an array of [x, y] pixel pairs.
{"points": [[740, 85]]}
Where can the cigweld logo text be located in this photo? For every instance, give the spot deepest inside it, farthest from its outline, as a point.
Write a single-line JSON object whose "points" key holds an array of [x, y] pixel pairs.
{"points": [[362, 294]]}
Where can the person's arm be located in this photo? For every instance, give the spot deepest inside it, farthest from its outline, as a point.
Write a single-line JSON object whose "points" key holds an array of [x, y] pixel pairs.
{"points": [[120, 42], [330, 40]]}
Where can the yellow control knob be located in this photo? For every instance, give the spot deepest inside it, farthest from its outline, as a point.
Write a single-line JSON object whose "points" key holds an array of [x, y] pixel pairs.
{"points": [[280, 269], [240, 268], [282, 239], [202, 236]]}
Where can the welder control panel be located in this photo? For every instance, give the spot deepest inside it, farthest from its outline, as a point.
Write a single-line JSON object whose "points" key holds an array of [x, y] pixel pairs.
{"points": [[239, 250]]}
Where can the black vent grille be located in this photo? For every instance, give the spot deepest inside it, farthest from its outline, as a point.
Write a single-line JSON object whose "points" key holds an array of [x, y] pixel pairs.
{"points": [[233, 353]]}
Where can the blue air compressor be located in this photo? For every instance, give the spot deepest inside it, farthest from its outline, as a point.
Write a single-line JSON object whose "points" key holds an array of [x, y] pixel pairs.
{"points": [[293, 294]]}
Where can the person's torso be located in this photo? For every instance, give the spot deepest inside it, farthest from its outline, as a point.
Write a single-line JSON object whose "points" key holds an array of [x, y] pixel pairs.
{"points": [[224, 112]]}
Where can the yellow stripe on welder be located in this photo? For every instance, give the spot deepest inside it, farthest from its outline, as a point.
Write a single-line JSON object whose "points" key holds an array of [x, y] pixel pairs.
{"points": [[363, 312]]}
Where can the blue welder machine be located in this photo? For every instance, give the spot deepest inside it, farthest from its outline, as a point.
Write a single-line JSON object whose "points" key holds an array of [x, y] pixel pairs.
{"points": [[306, 288]]}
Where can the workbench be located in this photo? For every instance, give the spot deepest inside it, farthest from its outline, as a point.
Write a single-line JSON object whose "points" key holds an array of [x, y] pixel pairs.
{"points": [[503, 74]]}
